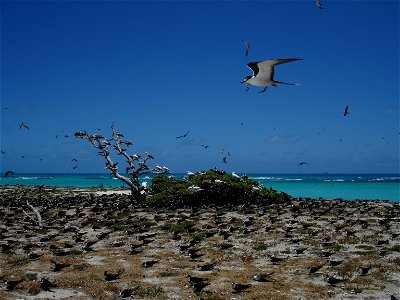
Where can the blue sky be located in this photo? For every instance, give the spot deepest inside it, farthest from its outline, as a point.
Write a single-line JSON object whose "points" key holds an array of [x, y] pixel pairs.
{"points": [[160, 69]]}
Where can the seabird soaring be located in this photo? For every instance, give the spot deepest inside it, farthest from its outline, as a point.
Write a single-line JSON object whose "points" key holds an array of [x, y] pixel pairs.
{"points": [[182, 136], [318, 4], [23, 125], [263, 72], [247, 46], [346, 111]]}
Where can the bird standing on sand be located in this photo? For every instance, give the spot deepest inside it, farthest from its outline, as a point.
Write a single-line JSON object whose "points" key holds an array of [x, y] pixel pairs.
{"points": [[112, 276], [263, 73], [23, 125], [237, 287], [262, 277]]}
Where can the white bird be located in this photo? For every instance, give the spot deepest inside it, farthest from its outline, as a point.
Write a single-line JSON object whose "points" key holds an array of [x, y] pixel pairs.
{"points": [[235, 175], [189, 173], [263, 73], [144, 184], [194, 188]]}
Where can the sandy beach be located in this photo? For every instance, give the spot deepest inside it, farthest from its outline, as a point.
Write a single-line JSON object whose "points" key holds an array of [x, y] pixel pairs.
{"points": [[307, 249]]}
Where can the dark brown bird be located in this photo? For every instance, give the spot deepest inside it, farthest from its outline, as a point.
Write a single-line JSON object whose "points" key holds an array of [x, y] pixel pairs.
{"points": [[112, 276], [346, 111], [183, 136], [237, 287]]}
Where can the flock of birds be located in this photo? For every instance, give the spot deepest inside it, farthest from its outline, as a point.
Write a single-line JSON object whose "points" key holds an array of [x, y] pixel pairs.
{"points": [[320, 238], [263, 76]]}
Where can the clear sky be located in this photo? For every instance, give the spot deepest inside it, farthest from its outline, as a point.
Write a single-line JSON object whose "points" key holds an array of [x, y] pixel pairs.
{"points": [[160, 69]]}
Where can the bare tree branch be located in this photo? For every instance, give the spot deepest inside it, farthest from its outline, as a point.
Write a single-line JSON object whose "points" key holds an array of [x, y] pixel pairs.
{"points": [[38, 216], [136, 165]]}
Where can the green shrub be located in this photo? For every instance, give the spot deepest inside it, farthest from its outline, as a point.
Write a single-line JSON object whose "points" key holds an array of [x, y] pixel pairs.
{"points": [[215, 189]]}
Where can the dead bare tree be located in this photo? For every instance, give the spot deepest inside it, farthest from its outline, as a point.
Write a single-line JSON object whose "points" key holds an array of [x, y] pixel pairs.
{"points": [[137, 166]]}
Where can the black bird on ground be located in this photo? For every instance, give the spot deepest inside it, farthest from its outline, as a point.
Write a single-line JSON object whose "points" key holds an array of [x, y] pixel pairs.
{"points": [[198, 287], [112, 276], [275, 259], [87, 246], [332, 280], [149, 263], [193, 279], [58, 266], [9, 285], [45, 284], [33, 255], [262, 277], [334, 263], [363, 270], [183, 136], [206, 267], [127, 292], [237, 287], [313, 269]]}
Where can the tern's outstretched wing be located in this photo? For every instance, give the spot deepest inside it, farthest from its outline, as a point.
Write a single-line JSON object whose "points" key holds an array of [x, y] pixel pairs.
{"points": [[267, 66]]}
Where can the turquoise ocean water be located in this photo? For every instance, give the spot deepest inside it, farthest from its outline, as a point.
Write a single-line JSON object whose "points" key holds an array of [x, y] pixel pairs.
{"points": [[327, 186]]}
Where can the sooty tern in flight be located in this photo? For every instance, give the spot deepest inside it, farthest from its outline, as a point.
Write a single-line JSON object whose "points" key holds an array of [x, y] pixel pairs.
{"points": [[263, 72]]}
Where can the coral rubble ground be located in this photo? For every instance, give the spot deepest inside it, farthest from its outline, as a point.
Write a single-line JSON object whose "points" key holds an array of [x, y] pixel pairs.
{"points": [[93, 246]]}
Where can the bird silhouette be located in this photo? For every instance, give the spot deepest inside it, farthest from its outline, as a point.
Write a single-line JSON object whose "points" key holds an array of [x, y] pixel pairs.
{"points": [[8, 174], [318, 4], [23, 125], [346, 111], [246, 46], [183, 136]]}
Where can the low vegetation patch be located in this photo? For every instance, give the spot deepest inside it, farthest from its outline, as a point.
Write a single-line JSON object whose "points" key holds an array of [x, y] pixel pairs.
{"points": [[209, 188]]}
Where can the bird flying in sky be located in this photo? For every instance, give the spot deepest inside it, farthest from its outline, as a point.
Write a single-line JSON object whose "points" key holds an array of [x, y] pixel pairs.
{"points": [[23, 125], [346, 111], [263, 73], [182, 136], [246, 46]]}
